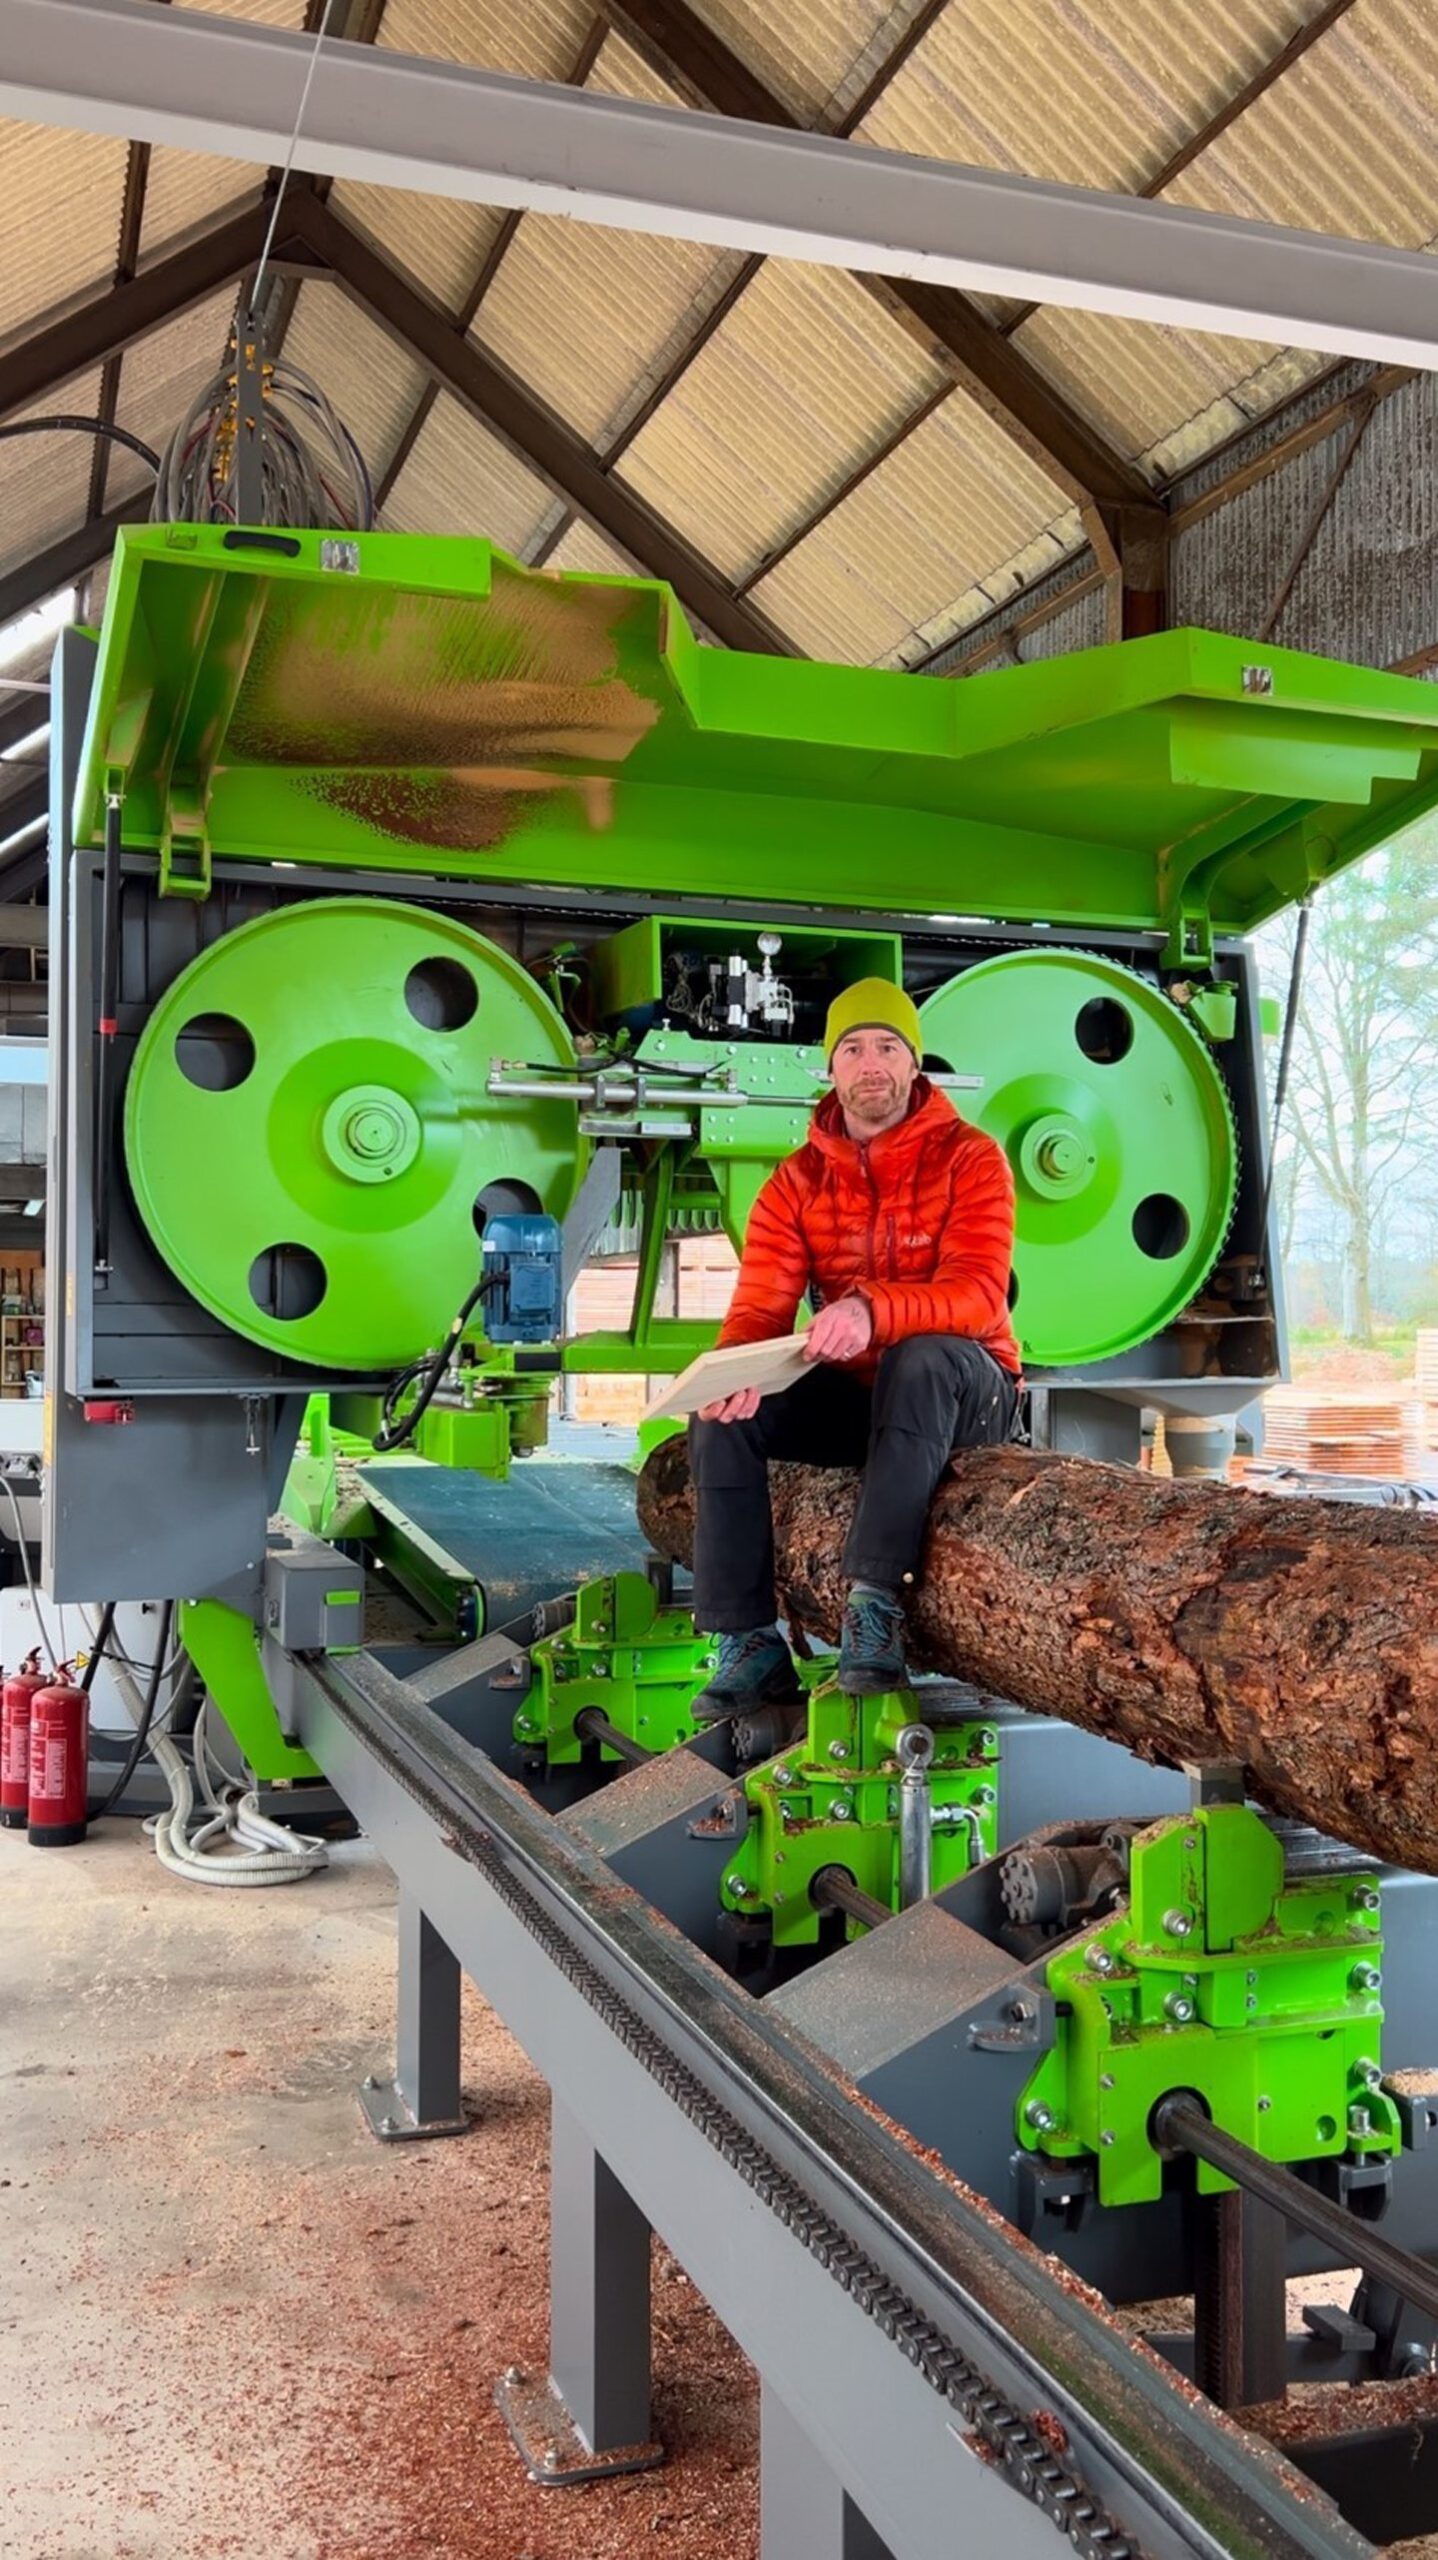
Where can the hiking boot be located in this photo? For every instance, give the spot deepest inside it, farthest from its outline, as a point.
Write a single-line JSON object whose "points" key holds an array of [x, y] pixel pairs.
{"points": [[871, 1646], [755, 1669]]}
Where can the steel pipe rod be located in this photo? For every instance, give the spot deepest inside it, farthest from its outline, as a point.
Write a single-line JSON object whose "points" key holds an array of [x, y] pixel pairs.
{"points": [[1180, 2125], [834, 1889]]}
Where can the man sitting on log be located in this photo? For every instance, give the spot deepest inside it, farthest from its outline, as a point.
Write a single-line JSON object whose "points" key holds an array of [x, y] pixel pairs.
{"points": [[897, 1218]]}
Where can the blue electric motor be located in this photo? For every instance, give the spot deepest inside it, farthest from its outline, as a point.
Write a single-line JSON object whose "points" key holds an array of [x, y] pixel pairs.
{"points": [[522, 1295]]}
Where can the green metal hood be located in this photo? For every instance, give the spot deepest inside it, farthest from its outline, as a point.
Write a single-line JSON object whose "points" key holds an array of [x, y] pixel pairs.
{"points": [[402, 702]]}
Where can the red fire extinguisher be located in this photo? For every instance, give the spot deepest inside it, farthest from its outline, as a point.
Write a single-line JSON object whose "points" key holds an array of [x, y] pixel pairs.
{"points": [[15, 1699], [59, 1762]]}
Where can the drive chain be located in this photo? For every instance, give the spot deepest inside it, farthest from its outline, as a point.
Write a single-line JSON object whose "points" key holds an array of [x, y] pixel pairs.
{"points": [[1009, 2442]]}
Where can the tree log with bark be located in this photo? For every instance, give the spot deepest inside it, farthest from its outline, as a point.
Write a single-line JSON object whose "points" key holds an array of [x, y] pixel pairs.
{"points": [[1188, 1621]]}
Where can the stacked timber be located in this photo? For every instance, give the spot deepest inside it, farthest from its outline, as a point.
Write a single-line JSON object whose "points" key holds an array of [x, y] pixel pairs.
{"points": [[1344, 1431], [1187, 1620]]}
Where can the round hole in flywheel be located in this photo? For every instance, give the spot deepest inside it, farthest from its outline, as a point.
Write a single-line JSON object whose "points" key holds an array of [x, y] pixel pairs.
{"points": [[1160, 1226], [934, 1065], [504, 1200], [1104, 1030], [287, 1282], [441, 994], [214, 1051]]}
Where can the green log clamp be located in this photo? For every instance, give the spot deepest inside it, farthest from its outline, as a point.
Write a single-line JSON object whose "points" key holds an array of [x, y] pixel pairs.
{"points": [[642, 1665], [833, 1801], [1259, 1993]]}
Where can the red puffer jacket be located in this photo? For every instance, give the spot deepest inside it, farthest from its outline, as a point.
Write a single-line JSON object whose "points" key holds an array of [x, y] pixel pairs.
{"points": [[919, 1221]]}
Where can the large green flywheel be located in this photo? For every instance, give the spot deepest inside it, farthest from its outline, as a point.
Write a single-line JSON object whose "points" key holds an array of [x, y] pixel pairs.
{"points": [[309, 1134], [1118, 1128]]}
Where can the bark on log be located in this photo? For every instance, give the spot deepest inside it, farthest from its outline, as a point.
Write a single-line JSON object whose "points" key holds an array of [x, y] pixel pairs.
{"points": [[1188, 1621]]}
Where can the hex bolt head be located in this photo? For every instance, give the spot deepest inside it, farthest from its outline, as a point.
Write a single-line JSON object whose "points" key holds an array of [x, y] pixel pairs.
{"points": [[984, 1797], [1359, 2122], [1366, 1977], [370, 2081], [1107, 2140], [838, 1751], [841, 1809], [1106, 2080], [1042, 2118], [1365, 1898], [1264, 2104], [513, 2374], [1178, 1924], [388, 2124], [549, 2460], [1369, 2072], [783, 1777], [738, 1886], [1099, 1960], [1179, 2007]]}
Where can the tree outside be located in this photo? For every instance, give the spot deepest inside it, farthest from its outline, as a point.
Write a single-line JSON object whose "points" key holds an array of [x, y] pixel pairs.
{"points": [[1356, 1170]]}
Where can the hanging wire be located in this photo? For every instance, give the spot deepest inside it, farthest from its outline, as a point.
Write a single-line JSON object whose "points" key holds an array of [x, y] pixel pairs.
{"points": [[1285, 1061], [289, 160]]}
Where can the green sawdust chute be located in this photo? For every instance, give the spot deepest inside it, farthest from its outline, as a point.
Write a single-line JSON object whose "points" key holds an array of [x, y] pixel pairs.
{"points": [[309, 1103]]}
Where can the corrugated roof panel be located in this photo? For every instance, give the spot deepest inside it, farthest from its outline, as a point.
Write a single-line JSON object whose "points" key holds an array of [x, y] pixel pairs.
{"points": [[461, 479], [952, 503], [63, 190], [158, 380], [1346, 142], [1248, 400], [185, 191], [1097, 96], [536, 42], [362, 371], [831, 605], [591, 318], [585, 316], [1055, 544], [804, 378], [816, 54], [1137, 382], [441, 244], [584, 549], [44, 479]]}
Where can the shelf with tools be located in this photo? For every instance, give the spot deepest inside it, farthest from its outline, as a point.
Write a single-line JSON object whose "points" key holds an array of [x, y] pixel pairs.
{"points": [[22, 1349]]}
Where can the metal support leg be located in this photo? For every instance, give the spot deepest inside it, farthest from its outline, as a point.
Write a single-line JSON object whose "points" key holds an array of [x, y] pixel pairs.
{"points": [[423, 2098], [802, 2507], [591, 2416], [1240, 2309]]}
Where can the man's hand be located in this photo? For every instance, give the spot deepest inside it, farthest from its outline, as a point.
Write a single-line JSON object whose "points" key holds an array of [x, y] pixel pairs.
{"points": [[740, 1407], [840, 1332]]}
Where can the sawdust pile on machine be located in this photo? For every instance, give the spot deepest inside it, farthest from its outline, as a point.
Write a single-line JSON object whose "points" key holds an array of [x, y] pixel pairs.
{"points": [[417, 918]]}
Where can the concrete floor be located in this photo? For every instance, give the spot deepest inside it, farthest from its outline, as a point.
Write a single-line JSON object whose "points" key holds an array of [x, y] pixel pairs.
{"points": [[233, 2323]]}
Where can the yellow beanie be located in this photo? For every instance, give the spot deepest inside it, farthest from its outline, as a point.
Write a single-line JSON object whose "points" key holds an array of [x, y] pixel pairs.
{"points": [[874, 1001]]}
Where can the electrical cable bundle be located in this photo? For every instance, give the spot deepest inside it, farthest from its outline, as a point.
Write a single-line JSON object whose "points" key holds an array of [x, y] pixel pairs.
{"points": [[229, 1841], [311, 470]]}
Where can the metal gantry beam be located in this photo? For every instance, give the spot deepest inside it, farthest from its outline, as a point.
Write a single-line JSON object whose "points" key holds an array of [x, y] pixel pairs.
{"points": [[227, 85], [534, 432]]}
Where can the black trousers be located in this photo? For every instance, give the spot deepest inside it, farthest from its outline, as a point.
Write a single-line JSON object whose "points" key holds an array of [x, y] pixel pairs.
{"points": [[933, 1393]]}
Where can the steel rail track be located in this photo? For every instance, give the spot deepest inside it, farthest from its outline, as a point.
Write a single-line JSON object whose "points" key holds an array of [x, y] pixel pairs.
{"points": [[860, 2197]]}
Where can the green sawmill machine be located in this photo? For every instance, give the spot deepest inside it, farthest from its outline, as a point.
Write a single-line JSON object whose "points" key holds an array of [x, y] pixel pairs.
{"points": [[415, 915]]}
